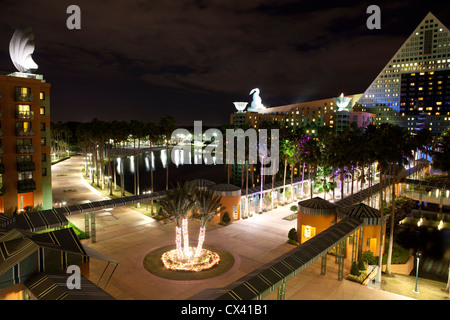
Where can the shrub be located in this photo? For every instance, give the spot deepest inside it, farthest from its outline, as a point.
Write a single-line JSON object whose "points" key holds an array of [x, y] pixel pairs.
{"points": [[362, 265], [368, 257], [294, 208], [226, 218], [292, 235], [355, 270]]}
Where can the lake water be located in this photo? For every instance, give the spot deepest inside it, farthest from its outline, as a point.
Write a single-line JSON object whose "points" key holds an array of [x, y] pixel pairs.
{"points": [[181, 168]]}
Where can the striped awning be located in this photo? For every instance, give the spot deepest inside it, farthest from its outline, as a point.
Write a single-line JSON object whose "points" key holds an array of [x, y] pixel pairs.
{"points": [[258, 284], [361, 211], [41, 220], [317, 207], [56, 217], [53, 286]]}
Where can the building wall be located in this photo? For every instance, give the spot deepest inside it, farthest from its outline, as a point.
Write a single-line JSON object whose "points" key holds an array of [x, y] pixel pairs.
{"points": [[41, 174], [320, 223]]}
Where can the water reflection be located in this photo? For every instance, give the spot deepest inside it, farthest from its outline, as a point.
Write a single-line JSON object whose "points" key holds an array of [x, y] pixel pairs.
{"points": [[182, 167]]}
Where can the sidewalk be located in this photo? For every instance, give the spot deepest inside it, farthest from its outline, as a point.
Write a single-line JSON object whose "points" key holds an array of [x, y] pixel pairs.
{"points": [[127, 236]]}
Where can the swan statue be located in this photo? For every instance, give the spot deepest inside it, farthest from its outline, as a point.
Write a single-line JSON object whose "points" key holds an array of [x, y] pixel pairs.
{"points": [[256, 104]]}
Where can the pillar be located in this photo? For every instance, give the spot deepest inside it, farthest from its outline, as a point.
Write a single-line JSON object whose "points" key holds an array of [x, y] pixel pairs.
{"points": [[93, 235], [86, 223], [323, 265], [281, 291]]}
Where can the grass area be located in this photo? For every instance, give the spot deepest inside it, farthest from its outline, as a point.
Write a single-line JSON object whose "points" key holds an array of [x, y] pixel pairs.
{"points": [[153, 264], [80, 234], [404, 285]]}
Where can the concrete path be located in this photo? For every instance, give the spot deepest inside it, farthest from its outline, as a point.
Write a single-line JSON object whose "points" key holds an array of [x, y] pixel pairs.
{"points": [[127, 236]]}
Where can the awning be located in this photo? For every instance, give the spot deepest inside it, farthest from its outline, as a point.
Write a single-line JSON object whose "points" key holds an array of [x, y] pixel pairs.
{"points": [[53, 286], [259, 283], [361, 211], [317, 207]]}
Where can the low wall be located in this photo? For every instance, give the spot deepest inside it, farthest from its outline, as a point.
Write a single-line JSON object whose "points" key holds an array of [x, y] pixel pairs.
{"points": [[405, 268]]}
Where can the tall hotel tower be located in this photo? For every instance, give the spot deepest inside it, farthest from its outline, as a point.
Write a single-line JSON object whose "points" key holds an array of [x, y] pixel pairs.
{"points": [[25, 162]]}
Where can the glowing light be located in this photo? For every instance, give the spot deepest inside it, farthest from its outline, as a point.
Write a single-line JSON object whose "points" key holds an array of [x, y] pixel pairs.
{"points": [[163, 158], [441, 225], [206, 260], [420, 222]]}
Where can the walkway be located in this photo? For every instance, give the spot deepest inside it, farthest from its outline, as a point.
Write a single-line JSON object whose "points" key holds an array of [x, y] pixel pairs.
{"points": [[127, 236]]}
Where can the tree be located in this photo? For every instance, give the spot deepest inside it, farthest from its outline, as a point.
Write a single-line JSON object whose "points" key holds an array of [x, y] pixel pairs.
{"points": [[167, 125], [177, 203], [323, 182], [153, 132], [208, 205], [441, 154]]}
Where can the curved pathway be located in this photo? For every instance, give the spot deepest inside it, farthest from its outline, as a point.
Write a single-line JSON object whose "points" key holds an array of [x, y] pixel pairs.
{"points": [[127, 236]]}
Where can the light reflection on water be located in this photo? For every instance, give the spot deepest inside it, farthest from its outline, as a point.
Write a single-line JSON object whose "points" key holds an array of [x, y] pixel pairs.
{"points": [[182, 167]]}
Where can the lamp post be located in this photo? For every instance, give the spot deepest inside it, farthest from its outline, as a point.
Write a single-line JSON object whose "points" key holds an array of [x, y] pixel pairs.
{"points": [[418, 254]]}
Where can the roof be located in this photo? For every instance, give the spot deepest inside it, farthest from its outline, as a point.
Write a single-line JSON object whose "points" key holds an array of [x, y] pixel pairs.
{"points": [[226, 189], [361, 211], [317, 207], [202, 183], [259, 283], [53, 286]]}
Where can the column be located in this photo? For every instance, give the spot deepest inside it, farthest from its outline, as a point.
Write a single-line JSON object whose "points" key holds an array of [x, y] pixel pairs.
{"points": [[323, 265], [281, 292], [86, 223], [93, 234]]}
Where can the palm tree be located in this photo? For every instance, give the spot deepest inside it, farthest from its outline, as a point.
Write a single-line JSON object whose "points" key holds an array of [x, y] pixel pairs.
{"points": [[167, 125], [399, 151], [441, 153], [207, 205], [312, 159], [153, 135], [177, 203], [323, 183]]}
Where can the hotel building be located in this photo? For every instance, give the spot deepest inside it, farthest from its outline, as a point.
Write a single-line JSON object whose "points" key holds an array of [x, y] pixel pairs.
{"points": [[25, 161], [412, 91]]}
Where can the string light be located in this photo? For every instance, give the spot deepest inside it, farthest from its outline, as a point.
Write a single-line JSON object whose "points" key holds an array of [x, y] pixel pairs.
{"points": [[206, 260]]}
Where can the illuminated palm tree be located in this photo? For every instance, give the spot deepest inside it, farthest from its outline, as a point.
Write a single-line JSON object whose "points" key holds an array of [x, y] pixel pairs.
{"points": [[177, 203], [208, 205]]}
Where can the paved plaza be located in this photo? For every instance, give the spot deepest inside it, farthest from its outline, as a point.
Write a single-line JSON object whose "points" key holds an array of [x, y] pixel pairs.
{"points": [[127, 236]]}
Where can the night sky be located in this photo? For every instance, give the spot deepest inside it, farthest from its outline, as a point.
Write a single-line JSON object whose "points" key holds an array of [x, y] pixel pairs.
{"points": [[141, 59]]}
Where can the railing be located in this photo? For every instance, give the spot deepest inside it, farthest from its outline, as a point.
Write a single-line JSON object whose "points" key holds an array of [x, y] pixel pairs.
{"points": [[26, 185], [26, 166], [25, 149], [20, 132], [25, 97], [24, 114]]}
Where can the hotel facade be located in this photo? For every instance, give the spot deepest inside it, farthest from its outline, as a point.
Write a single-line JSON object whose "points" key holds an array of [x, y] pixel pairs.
{"points": [[412, 91], [25, 143]]}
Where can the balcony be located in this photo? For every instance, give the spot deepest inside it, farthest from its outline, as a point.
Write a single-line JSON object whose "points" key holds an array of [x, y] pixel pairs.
{"points": [[24, 97], [26, 186], [21, 132], [26, 166], [25, 149], [24, 114]]}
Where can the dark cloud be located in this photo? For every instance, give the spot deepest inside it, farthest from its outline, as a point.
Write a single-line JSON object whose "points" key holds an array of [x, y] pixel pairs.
{"points": [[194, 58]]}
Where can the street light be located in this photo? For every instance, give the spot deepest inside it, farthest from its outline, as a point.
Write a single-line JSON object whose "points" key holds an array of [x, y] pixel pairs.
{"points": [[418, 254]]}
